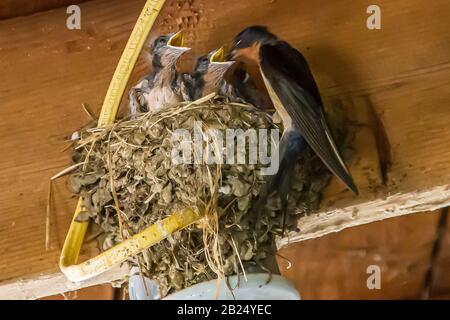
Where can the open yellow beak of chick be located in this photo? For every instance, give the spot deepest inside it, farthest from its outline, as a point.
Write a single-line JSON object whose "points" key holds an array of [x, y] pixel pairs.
{"points": [[219, 59], [219, 55], [176, 40]]}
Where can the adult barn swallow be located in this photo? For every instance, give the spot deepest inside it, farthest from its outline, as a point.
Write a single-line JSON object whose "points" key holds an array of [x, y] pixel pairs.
{"points": [[297, 100], [163, 87]]}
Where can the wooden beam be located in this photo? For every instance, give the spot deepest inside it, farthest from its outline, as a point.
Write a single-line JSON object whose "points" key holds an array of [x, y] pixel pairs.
{"points": [[39, 286], [401, 72], [325, 222], [98, 292]]}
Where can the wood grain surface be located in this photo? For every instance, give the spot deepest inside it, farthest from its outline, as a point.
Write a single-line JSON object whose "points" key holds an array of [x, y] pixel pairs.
{"points": [[401, 73], [335, 266]]}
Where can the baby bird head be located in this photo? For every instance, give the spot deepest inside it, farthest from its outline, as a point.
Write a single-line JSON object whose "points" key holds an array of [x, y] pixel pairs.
{"points": [[166, 50], [213, 66]]}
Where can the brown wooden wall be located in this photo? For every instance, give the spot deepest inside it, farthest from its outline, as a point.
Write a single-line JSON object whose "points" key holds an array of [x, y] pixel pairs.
{"points": [[335, 266], [402, 71], [15, 8]]}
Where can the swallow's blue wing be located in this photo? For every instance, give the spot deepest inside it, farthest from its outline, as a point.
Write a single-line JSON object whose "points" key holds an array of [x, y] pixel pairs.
{"points": [[288, 73]]}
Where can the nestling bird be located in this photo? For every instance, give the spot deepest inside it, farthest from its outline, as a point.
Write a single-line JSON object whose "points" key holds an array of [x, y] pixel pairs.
{"points": [[164, 86], [209, 76], [247, 90], [297, 100]]}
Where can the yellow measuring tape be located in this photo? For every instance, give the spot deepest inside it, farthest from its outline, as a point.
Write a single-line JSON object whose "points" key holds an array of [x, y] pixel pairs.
{"points": [[152, 234]]}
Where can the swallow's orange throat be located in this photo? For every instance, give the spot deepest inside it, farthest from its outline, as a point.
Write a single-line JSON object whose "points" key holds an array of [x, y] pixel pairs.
{"points": [[251, 53]]}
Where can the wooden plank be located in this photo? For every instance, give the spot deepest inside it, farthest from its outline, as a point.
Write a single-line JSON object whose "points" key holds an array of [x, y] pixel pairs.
{"points": [[15, 8], [335, 266], [39, 286], [47, 75], [100, 292], [48, 71], [329, 221], [440, 282]]}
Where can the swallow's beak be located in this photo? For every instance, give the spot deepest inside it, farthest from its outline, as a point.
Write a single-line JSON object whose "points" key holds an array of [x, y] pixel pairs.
{"points": [[176, 43], [220, 58], [234, 52]]}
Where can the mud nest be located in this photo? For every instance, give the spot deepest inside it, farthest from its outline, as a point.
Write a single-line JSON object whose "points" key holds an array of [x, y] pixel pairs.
{"points": [[130, 165]]}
